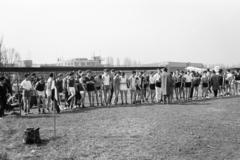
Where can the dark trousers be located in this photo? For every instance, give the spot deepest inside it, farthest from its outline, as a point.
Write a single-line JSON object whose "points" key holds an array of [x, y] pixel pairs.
{"points": [[111, 95], [56, 103], [77, 97], [215, 92], [191, 92], [2, 107]]}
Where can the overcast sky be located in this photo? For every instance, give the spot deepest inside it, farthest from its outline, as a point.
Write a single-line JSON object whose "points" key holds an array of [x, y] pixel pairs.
{"points": [[206, 31]]}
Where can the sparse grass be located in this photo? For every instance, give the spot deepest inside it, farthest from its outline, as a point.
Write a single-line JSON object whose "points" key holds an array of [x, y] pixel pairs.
{"points": [[204, 130]]}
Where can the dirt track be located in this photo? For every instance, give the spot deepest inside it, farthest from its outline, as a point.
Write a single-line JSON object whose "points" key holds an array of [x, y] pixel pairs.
{"points": [[203, 130]]}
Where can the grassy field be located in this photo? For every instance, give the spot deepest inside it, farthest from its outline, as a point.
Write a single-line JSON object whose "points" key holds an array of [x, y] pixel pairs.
{"points": [[197, 130]]}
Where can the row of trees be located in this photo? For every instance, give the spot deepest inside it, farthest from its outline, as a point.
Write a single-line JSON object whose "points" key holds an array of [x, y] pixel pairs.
{"points": [[8, 56], [127, 62]]}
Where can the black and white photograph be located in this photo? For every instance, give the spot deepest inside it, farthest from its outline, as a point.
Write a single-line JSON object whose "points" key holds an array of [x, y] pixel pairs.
{"points": [[119, 80]]}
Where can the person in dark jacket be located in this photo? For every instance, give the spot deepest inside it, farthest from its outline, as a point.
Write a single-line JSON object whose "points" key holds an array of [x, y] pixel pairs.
{"points": [[3, 96], [7, 83], [215, 83]]}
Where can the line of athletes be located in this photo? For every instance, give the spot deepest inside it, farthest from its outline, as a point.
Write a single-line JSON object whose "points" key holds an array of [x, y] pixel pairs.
{"points": [[76, 89]]}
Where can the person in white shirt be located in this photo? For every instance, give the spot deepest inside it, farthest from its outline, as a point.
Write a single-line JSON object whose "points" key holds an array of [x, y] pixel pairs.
{"points": [[152, 86], [188, 84], [49, 91], [157, 80], [26, 86], [132, 86], [106, 86], [228, 82], [123, 87]]}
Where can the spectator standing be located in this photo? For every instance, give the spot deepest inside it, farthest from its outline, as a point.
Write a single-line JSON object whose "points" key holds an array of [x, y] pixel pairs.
{"points": [[49, 91], [165, 85], [26, 85], [40, 89], [106, 86], [152, 86], [116, 86], [158, 85], [132, 86], [215, 83], [123, 87]]}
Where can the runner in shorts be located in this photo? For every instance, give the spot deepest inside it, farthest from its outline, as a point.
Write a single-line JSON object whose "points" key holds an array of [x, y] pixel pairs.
{"points": [[145, 87], [26, 87], [116, 87], [237, 79], [90, 86], [138, 88], [196, 83], [221, 82], [177, 84], [106, 86], [158, 85], [152, 86], [182, 87], [123, 88], [83, 88], [98, 89], [205, 84], [40, 88], [132, 86], [49, 91], [71, 89]]}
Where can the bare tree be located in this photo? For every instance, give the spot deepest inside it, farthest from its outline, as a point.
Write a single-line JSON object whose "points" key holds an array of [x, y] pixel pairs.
{"points": [[1, 50], [10, 57], [117, 62], [134, 63], [139, 63], [111, 60], [107, 61], [127, 62]]}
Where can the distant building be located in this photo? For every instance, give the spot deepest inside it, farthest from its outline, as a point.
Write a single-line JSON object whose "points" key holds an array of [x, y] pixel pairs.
{"points": [[173, 66], [24, 63], [96, 61], [48, 65]]}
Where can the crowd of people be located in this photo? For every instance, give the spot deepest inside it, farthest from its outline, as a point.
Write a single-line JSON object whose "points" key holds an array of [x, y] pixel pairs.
{"points": [[88, 89]]}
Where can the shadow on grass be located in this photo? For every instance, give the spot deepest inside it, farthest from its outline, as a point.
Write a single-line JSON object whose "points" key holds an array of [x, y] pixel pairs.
{"points": [[45, 141], [32, 116], [82, 110], [193, 102]]}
